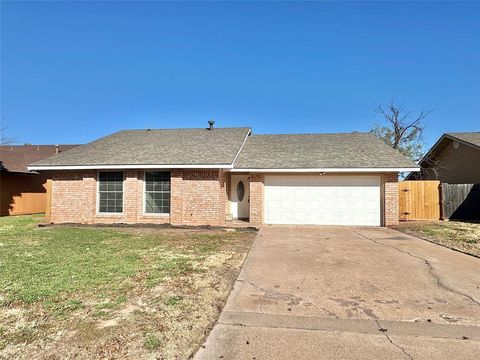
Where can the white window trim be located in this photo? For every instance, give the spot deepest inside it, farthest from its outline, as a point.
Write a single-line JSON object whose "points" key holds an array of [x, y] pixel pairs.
{"points": [[144, 197], [98, 213]]}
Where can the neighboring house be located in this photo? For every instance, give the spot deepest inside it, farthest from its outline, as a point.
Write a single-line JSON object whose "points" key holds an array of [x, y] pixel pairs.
{"points": [[23, 191], [210, 176], [454, 159]]}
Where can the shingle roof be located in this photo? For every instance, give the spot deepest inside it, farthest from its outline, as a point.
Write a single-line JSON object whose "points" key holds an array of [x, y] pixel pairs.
{"points": [[343, 150], [469, 137], [15, 158], [157, 147]]}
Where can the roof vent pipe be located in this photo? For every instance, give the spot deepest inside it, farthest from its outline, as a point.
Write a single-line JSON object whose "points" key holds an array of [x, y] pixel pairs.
{"points": [[210, 124], [57, 150]]}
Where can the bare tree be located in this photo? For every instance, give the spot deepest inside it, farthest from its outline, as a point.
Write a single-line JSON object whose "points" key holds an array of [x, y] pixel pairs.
{"points": [[4, 138], [403, 129], [429, 169]]}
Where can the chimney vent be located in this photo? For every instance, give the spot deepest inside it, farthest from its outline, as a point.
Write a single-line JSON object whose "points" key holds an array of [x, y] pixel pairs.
{"points": [[57, 150], [210, 124]]}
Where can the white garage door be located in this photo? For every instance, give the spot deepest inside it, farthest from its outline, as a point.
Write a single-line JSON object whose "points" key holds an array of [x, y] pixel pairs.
{"points": [[322, 200]]}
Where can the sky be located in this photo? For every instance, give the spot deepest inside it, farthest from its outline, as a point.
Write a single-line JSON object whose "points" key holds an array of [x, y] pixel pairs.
{"points": [[72, 72]]}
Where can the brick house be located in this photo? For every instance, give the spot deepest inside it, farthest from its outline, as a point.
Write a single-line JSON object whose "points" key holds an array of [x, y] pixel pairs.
{"points": [[215, 175]]}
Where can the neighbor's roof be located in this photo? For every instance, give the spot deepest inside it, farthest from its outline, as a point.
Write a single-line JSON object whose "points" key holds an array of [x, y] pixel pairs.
{"points": [[15, 158], [319, 151], [468, 137], [219, 146]]}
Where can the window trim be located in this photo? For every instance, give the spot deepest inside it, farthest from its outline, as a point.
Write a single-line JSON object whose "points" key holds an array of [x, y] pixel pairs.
{"points": [[144, 194], [97, 206]]}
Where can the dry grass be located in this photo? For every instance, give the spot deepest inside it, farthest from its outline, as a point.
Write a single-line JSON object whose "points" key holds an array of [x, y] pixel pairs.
{"points": [[112, 293], [462, 236]]}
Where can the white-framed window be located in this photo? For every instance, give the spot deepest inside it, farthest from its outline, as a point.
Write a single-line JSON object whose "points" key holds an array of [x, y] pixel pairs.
{"points": [[157, 192], [110, 192]]}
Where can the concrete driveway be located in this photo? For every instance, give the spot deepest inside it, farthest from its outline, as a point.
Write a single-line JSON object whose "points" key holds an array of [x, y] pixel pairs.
{"points": [[349, 293]]}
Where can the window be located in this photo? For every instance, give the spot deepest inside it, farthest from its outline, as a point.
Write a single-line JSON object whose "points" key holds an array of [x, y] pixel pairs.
{"points": [[157, 192], [110, 192]]}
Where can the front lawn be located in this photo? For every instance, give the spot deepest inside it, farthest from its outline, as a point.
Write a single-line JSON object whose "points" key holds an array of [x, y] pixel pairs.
{"points": [[88, 293], [463, 236]]}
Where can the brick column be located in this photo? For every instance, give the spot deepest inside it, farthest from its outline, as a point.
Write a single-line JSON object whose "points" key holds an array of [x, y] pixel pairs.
{"points": [[256, 198], [390, 208], [131, 197], [176, 197], [89, 193], [228, 191]]}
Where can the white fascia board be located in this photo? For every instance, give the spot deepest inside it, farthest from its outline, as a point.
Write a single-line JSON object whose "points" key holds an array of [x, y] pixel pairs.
{"points": [[120, 167], [329, 170]]}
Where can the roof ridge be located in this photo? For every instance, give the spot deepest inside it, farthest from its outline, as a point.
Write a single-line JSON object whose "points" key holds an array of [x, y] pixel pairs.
{"points": [[184, 129]]}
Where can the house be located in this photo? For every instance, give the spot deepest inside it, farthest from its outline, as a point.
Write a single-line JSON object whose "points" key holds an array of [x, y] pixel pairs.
{"points": [[454, 159], [211, 176], [22, 191]]}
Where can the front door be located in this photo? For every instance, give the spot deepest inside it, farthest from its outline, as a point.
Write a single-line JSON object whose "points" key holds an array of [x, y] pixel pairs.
{"points": [[240, 197]]}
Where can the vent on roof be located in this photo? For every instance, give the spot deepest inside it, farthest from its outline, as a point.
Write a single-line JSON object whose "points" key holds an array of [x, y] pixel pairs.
{"points": [[210, 124]]}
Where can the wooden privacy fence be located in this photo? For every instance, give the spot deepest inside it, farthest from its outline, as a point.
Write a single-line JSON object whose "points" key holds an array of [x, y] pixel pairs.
{"points": [[461, 201], [419, 200], [24, 194]]}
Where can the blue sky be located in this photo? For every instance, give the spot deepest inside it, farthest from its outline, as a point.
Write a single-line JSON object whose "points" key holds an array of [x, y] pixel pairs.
{"points": [[75, 71]]}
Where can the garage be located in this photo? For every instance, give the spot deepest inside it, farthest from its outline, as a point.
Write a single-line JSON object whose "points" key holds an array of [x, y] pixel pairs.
{"points": [[323, 199]]}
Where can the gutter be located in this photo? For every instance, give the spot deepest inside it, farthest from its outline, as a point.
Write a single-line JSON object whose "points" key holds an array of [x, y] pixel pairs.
{"points": [[119, 167], [327, 170]]}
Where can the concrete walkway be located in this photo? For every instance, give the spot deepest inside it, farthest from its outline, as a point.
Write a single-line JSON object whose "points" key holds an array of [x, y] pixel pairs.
{"points": [[349, 293]]}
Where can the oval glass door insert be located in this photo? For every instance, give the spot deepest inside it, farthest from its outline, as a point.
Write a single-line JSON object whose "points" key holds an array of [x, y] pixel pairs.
{"points": [[240, 191]]}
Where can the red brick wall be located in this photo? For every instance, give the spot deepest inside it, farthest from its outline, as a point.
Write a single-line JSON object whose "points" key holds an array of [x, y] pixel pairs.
{"points": [[390, 195], [198, 197], [256, 198], [71, 196], [228, 191]]}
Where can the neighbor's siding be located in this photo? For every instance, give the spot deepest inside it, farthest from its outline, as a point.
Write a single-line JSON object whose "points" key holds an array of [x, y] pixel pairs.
{"points": [[198, 197], [458, 166]]}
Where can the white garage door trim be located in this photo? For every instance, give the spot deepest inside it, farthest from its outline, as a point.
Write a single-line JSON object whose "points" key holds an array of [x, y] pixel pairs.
{"points": [[323, 200]]}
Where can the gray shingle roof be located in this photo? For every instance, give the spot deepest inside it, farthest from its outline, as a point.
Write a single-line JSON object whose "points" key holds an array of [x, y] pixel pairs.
{"points": [[347, 150], [157, 147], [469, 137]]}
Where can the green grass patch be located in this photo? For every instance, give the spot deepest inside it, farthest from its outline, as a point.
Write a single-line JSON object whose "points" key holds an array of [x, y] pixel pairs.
{"points": [[49, 264], [152, 342], [173, 300], [463, 236]]}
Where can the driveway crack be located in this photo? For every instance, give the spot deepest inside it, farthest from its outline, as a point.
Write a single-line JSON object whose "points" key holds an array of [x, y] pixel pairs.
{"points": [[429, 266], [384, 332]]}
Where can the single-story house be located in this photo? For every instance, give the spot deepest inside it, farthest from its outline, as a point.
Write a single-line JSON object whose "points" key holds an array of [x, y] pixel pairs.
{"points": [[23, 191], [453, 159], [214, 175]]}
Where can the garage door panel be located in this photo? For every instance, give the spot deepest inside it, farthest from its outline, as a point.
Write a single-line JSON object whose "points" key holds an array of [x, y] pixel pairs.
{"points": [[323, 200]]}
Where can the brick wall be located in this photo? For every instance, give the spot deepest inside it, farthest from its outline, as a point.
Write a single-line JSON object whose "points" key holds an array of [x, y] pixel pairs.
{"points": [[198, 197], [228, 191], [256, 198], [390, 204]]}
